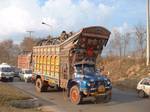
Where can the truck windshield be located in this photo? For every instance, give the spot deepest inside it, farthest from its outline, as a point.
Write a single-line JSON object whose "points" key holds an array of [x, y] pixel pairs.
{"points": [[6, 69], [88, 69], [78, 68]]}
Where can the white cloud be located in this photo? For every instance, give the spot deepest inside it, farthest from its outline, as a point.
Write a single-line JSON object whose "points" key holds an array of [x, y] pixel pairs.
{"points": [[18, 16], [13, 19], [125, 27]]}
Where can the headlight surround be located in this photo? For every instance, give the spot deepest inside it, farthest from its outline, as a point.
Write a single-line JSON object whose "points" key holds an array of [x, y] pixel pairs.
{"points": [[108, 82], [88, 84]]}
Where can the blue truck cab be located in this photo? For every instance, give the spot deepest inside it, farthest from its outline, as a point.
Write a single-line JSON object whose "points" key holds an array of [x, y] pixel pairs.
{"points": [[87, 82]]}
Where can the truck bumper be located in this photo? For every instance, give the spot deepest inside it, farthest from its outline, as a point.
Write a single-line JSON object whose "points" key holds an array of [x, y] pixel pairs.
{"points": [[96, 93]]}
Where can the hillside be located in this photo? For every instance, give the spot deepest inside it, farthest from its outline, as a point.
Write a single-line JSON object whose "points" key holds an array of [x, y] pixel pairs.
{"points": [[126, 72]]}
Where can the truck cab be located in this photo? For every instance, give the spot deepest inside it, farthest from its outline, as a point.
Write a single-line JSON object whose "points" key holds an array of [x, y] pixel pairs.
{"points": [[87, 82]]}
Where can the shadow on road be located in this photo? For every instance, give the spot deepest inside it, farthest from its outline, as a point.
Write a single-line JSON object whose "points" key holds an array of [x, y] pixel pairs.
{"points": [[120, 97]]}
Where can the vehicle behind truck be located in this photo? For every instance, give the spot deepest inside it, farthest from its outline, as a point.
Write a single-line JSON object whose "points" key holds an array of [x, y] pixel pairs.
{"points": [[70, 63], [6, 72], [25, 66], [25, 75], [24, 60]]}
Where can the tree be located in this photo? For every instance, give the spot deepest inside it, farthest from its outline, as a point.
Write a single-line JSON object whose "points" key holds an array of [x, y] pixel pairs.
{"points": [[126, 39], [140, 33], [9, 52], [27, 44], [117, 42]]}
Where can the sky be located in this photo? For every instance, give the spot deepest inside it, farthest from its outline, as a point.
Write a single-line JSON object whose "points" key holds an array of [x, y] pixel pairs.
{"points": [[19, 16]]}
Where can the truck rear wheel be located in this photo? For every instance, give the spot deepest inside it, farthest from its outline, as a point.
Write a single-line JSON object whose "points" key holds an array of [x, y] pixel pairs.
{"points": [[75, 95], [40, 87]]}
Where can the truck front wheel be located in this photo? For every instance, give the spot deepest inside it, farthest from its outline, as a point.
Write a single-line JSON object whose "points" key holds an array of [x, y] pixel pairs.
{"points": [[40, 87], [75, 95], [11, 79], [107, 98]]}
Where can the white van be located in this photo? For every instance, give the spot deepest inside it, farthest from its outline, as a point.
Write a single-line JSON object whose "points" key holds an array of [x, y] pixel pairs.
{"points": [[6, 72]]}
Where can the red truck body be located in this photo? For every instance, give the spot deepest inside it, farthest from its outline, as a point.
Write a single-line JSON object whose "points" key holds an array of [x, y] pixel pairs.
{"points": [[24, 60]]}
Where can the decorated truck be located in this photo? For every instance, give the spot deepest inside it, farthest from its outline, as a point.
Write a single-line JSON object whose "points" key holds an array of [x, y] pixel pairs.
{"points": [[69, 62]]}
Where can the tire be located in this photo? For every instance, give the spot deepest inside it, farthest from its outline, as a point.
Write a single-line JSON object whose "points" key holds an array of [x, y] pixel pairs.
{"points": [[58, 88], [11, 79], [75, 95], [141, 94], [107, 97], [40, 87]]}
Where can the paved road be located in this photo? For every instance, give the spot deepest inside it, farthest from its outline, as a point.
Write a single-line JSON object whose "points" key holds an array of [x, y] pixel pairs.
{"points": [[122, 101]]}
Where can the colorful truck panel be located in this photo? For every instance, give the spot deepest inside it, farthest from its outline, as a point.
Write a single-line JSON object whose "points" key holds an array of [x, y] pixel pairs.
{"points": [[24, 60]]}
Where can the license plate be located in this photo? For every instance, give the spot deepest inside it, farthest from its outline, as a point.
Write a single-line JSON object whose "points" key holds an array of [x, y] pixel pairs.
{"points": [[92, 88]]}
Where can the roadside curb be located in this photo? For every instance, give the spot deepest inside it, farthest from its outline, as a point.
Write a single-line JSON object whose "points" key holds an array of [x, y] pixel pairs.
{"points": [[46, 105]]}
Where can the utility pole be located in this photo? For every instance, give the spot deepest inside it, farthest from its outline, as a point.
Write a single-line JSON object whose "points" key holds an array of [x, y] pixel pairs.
{"points": [[148, 40], [30, 33]]}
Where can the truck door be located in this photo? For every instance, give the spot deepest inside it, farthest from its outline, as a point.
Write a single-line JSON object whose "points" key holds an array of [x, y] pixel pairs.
{"points": [[64, 75], [64, 70]]}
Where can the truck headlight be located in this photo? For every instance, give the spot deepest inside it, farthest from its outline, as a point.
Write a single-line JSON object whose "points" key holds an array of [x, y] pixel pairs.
{"points": [[108, 82], [88, 84], [91, 84]]}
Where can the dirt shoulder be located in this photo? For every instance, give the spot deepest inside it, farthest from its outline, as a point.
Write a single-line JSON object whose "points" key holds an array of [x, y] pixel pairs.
{"points": [[126, 73], [9, 94]]}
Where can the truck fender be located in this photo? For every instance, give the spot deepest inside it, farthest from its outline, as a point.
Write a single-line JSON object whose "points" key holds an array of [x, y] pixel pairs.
{"points": [[70, 84]]}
